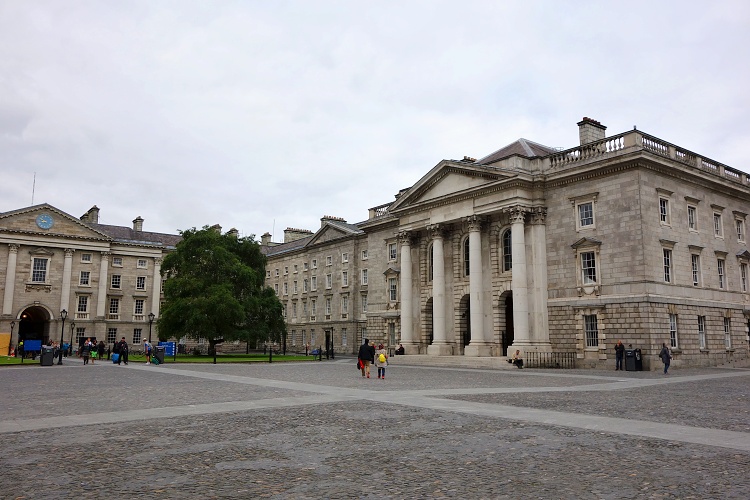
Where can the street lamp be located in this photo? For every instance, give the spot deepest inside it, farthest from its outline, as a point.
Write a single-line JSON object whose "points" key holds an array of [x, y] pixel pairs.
{"points": [[63, 315], [151, 317], [70, 346], [12, 325]]}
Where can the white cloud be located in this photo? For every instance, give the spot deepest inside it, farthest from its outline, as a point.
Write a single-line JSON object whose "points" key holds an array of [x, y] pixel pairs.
{"points": [[246, 113]]}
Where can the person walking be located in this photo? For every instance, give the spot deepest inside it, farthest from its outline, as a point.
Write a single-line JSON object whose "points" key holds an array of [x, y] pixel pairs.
{"points": [[381, 361], [367, 356], [147, 352], [666, 357], [101, 348], [619, 354], [86, 351], [122, 349]]}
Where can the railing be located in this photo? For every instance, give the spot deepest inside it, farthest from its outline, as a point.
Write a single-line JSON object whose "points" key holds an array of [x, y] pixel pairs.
{"points": [[82, 315], [549, 359], [636, 140], [379, 211]]}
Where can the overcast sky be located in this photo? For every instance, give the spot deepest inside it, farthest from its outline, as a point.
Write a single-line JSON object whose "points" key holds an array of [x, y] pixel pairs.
{"points": [[262, 115]]}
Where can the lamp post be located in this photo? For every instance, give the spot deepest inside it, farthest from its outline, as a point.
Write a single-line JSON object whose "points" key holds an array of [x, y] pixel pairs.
{"points": [[70, 346], [63, 315], [12, 325], [151, 317]]}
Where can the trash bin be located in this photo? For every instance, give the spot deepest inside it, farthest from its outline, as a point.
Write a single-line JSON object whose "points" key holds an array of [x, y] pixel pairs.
{"points": [[633, 360], [159, 353], [638, 360], [48, 356]]}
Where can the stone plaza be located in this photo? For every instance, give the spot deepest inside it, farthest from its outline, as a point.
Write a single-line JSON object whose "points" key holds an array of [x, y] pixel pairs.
{"points": [[321, 430]]}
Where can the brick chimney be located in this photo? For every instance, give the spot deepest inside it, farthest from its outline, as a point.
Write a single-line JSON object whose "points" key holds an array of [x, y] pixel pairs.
{"points": [[265, 239], [92, 216], [590, 130], [292, 234], [138, 224]]}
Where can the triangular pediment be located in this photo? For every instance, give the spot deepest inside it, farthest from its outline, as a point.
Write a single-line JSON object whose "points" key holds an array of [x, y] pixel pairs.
{"points": [[450, 178], [744, 254], [330, 232], [46, 220]]}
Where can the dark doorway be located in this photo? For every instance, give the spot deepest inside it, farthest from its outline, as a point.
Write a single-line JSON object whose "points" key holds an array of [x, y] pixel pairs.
{"points": [[429, 322], [465, 323], [34, 325], [507, 337]]}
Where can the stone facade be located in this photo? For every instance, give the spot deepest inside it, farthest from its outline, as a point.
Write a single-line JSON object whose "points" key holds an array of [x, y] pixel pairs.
{"points": [[107, 278], [625, 237]]}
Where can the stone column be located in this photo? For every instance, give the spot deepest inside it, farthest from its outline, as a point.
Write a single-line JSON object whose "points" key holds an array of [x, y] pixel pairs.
{"points": [[101, 298], [407, 313], [156, 291], [440, 345], [479, 345], [10, 279], [65, 291], [521, 336], [540, 318]]}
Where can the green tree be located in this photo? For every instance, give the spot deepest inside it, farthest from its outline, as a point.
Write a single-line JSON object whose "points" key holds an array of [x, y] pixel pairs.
{"points": [[214, 289]]}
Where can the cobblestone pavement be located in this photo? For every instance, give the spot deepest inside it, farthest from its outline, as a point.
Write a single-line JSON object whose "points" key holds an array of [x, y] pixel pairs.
{"points": [[319, 430]]}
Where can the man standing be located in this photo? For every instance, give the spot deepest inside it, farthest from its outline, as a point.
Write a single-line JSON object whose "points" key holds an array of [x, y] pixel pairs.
{"points": [[122, 348], [666, 357], [367, 355], [619, 354]]}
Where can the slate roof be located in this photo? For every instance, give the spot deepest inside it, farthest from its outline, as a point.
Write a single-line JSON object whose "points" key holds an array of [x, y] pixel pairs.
{"points": [[521, 147], [286, 247], [126, 234]]}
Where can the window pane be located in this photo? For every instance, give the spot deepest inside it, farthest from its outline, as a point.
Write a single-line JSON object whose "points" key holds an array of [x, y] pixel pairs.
{"points": [[592, 330], [586, 214], [588, 267]]}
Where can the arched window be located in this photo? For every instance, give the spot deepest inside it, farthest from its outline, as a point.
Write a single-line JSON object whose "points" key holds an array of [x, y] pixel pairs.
{"points": [[466, 256], [507, 254], [430, 263]]}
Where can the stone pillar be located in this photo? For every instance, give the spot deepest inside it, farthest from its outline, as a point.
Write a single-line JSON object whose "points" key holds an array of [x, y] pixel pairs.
{"points": [[101, 298], [440, 345], [521, 335], [540, 317], [65, 291], [10, 279], [407, 314], [156, 291], [479, 345]]}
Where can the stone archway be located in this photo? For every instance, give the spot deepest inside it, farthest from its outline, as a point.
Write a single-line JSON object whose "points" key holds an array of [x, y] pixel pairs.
{"points": [[34, 324]]}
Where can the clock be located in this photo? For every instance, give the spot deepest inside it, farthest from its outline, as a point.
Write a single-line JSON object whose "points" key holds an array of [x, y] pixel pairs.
{"points": [[44, 221]]}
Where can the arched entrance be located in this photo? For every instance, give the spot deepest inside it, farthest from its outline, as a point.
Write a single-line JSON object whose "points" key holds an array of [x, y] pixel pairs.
{"points": [[464, 306], [34, 324], [507, 337]]}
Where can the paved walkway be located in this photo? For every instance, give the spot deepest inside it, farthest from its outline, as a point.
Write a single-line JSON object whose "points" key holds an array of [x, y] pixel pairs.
{"points": [[318, 429]]}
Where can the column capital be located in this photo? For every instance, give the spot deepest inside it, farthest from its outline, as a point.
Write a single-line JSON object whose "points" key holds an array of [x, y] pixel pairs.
{"points": [[538, 215], [435, 231], [517, 213], [404, 237], [105, 255], [474, 222], [158, 261], [69, 253], [12, 248]]}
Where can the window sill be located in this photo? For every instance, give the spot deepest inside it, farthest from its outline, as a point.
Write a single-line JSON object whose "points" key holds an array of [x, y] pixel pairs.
{"points": [[676, 351], [706, 351], [730, 349]]}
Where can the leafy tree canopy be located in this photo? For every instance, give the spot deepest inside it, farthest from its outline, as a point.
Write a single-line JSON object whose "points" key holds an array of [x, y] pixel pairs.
{"points": [[215, 290]]}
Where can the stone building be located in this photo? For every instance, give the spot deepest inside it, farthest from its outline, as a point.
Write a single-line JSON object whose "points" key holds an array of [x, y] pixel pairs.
{"points": [[107, 278], [626, 237]]}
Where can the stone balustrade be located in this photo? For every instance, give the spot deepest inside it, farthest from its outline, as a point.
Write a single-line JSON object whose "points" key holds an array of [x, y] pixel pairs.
{"points": [[635, 141]]}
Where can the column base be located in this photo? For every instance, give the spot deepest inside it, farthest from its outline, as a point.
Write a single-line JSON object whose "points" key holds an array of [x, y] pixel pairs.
{"points": [[478, 351], [440, 350], [411, 349]]}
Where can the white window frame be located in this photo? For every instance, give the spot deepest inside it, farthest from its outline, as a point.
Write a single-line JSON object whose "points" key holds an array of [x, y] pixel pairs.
{"points": [[743, 277], [585, 257], [392, 252], [507, 250], [315, 263], [113, 311], [329, 260], [668, 265], [329, 281], [313, 283], [115, 282], [82, 307], [721, 270], [364, 277], [664, 211], [344, 257], [328, 307], [392, 289], [591, 336], [305, 285], [305, 266], [364, 255], [466, 256], [673, 341], [344, 306], [286, 288], [702, 332], [286, 270], [84, 278], [140, 283], [294, 287], [294, 310], [139, 306], [695, 266], [277, 272], [86, 258], [295, 268], [364, 302], [142, 264], [718, 226], [727, 333], [692, 215], [344, 278], [40, 274], [116, 261], [739, 225], [276, 288]]}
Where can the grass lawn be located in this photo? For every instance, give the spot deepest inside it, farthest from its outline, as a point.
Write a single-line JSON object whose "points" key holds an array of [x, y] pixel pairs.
{"points": [[185, 358]]}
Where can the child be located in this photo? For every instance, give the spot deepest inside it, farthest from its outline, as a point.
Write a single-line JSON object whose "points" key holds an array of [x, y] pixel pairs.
{"points": [[381, 361]]}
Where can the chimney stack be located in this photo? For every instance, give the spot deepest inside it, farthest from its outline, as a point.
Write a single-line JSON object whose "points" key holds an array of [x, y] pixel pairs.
{"points": [[265, 239], [138, 224], [590, 130], [292, 234], [233, 232], [92, 216]]}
